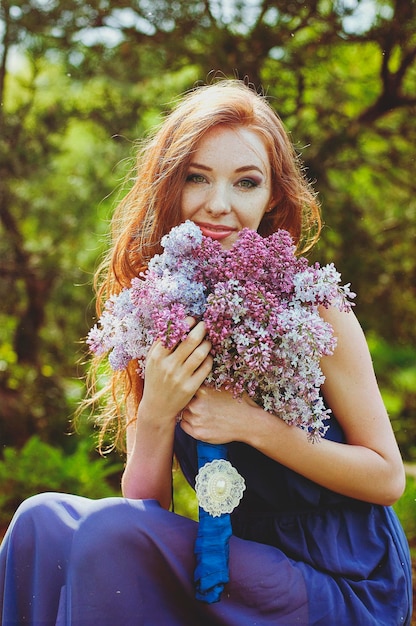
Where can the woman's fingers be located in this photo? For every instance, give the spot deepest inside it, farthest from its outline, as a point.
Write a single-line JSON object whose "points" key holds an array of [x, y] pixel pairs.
{"points": [[191, 353], [194, 338], [196, 335], [181, 371]]}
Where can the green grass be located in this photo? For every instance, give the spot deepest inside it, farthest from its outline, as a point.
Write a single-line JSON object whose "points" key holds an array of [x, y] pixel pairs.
{"points": [[184, 498], [406, 511]]}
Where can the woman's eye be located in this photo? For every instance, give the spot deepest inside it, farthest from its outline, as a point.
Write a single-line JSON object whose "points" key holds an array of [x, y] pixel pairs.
{"points": [[248, 183], [195, 178]]}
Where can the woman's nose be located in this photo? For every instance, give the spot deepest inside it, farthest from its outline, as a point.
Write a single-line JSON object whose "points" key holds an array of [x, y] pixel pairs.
{"points": [[219, 201]]}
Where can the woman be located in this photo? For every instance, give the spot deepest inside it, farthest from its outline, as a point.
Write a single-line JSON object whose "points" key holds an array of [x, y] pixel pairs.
{"points": [[314, 539]]}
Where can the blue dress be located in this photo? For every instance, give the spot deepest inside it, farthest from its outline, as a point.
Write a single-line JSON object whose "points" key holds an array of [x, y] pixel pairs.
{"points": [[300, 554]]}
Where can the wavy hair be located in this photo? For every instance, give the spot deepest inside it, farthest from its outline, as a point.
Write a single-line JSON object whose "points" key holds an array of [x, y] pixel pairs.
{"points": [[153, 206]]}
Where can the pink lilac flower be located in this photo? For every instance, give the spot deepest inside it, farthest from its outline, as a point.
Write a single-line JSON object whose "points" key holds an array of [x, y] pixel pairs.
{"points": [[260, 306]]}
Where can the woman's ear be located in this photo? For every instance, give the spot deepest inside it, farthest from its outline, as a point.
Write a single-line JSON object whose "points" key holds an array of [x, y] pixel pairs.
{"points": [[274, 201], [271, 206]]}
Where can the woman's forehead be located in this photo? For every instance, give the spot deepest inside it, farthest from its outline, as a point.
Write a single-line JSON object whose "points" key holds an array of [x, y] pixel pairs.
{"points": [[239, 141]]}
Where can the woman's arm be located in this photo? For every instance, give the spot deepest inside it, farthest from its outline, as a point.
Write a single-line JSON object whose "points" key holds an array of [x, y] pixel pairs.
{"points": [[367, 467], [171, 379]]}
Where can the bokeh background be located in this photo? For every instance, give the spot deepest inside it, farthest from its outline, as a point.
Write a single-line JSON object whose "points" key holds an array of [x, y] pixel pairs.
{"points": [[82, 82]]}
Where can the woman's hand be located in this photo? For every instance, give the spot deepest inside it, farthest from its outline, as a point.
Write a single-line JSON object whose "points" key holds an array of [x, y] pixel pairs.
{"points": [[215, 416], [173, 376]]}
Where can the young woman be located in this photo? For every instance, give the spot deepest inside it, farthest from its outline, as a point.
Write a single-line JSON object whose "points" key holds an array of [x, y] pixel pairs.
{"points": [[315, 541]]}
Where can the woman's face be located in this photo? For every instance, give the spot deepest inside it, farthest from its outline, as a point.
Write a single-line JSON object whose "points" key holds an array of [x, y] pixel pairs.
{"points": [[228, 183]]}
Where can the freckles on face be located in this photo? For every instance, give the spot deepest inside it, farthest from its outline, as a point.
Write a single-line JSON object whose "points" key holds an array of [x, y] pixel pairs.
{"points": [[228, 183]]}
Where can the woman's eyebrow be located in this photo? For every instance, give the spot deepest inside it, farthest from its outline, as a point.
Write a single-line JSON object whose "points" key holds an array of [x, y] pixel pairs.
{"points": [[246, 168], [201, 167], [243, 168]]}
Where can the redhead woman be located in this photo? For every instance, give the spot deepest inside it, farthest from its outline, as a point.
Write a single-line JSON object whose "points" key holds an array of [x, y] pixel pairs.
{"points": [[314, 540]]}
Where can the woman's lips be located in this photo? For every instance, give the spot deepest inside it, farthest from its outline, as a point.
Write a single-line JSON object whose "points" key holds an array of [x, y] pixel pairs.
{"points": [[213, 231]]}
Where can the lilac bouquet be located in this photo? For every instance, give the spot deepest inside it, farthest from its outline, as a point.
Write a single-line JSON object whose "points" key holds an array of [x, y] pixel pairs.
{"points": [[260, 306]]}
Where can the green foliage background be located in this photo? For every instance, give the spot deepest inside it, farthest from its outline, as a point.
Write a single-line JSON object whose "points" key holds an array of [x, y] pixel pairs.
{"points": [[80, 83]]}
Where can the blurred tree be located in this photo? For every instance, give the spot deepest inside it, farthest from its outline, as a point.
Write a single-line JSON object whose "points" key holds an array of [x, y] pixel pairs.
{"points": [[96, 75], [46, 218]]}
